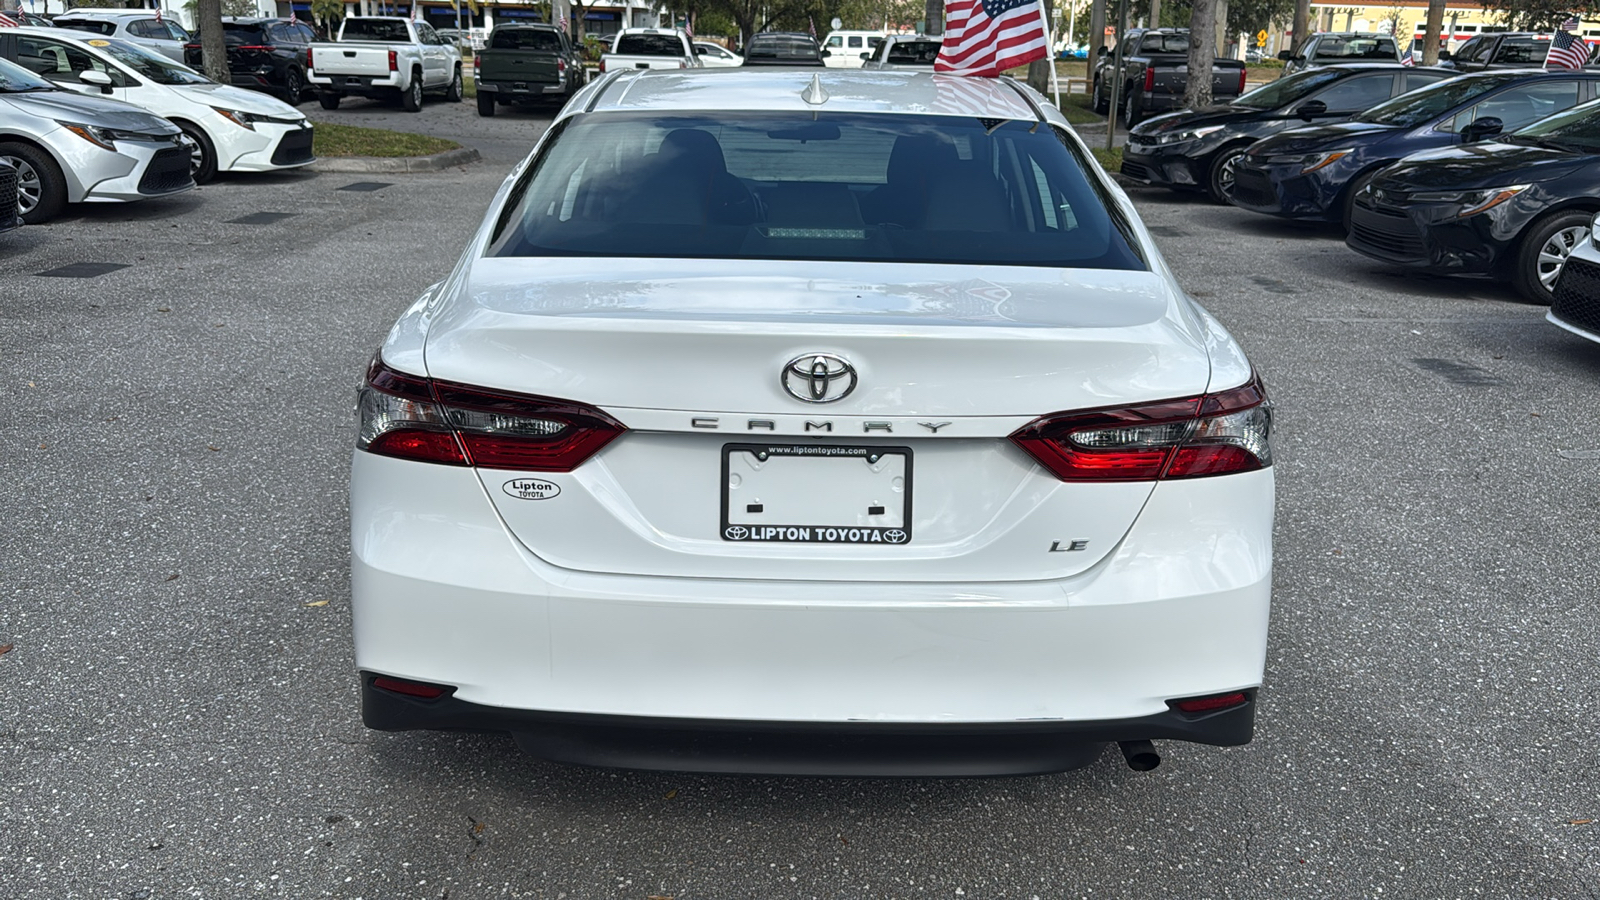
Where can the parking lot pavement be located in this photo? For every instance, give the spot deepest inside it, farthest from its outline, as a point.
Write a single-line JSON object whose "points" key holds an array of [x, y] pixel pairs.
{"points": [[178, 712]]}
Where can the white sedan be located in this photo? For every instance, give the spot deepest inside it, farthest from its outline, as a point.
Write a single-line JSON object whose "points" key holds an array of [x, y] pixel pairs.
{"points": [[228, 129], [813, 422], [1576, 306]]}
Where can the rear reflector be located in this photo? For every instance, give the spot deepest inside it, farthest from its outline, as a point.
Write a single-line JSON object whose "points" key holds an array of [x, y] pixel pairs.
{"points": [[411, 688], [1212, 703], [414, 418], [1214, 434]]}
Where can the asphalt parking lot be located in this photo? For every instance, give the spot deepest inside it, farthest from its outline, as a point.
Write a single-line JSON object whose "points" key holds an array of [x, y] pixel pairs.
{"points": [[178, 710]]}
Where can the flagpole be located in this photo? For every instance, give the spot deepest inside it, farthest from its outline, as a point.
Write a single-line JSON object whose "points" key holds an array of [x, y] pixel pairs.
{"points": [[1050, 52]]}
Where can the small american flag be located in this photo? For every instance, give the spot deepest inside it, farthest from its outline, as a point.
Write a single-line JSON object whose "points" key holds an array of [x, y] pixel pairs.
{"points": [[8, 22], [986, 37], [1571, 24], [1566, 52], [293, 19], [1408, 59], [811, 25], [158, 14]]}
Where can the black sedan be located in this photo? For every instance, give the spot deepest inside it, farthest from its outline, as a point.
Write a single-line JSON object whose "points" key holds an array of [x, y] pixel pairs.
{"points": [[1512, 208], [1198, 148]]}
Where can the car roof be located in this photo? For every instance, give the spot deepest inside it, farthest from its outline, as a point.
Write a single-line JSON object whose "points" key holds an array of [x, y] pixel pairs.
{"points": [[778, 90], [1385, 65], [66, 34], [1368, 34], [107, 14]]}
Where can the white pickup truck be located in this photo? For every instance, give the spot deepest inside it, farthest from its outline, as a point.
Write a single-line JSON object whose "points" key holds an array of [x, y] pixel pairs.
{"points": [[650, 48], [384, 57]]}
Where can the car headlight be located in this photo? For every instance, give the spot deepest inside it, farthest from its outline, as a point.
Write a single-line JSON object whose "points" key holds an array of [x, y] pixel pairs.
{"points": [[104, 138], [1310, 162], [1472, 202], [239, 117], [1193, 134]]}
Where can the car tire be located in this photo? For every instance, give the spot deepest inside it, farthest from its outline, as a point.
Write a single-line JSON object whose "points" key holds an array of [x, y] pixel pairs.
{"points": [[1219, 180], [328, 101], [1348, 203], [41, 188], [411, 99], [202, 153], [456, 91], [294, 87], [1099, 101], [1543, 251], [485, 103], [1132, 109]]}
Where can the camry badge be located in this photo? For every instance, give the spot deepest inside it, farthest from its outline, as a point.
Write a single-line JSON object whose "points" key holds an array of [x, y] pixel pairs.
{"points": [[818, 378]]}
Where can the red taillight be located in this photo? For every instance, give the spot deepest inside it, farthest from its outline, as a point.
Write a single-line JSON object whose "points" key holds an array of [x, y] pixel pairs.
{"points": [[561, 65], [477, 64], [309, 64], [602, 65], [414, 418], [1241, 81], [253, 47], [1149, 79], [394, 61], [1216, 434], [1194, 705], [191, 46], [411, 688]]}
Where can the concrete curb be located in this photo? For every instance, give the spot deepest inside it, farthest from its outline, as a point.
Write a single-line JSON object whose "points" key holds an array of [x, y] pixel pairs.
{"points": [[396, 164]]}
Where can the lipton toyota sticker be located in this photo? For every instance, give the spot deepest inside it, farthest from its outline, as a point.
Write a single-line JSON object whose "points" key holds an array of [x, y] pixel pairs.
{"points": [[531, 488], [98, 43]]}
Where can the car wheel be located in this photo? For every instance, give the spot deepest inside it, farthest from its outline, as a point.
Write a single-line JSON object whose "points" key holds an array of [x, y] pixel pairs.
{"points": [[293, 87], [202, 155], [1132, 109], [1351, 191], [412, 98], [41, 188], [1220, 182], [1101, 106], [485, 103], [456, 92], [328, 101], [1545, 247]]}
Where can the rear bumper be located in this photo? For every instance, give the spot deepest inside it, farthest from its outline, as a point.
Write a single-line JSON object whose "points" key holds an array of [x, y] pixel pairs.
{"points": [[803, 748], [356, 84], [514, 90], [442, 593]]}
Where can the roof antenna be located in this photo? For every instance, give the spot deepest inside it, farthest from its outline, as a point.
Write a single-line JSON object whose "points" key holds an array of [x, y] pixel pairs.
{"points": [[814, 94]]}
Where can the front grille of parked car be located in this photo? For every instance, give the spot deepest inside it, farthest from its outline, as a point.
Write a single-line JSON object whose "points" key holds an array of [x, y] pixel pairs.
{"points": [[1577, 300], [294, 148], [1137, 170], [1252, 187], [168, 171], [8, 197], [1390, 235]]}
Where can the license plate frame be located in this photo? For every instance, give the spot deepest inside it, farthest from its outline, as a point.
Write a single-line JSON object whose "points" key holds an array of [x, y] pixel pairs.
{"points": [[735, 532]]}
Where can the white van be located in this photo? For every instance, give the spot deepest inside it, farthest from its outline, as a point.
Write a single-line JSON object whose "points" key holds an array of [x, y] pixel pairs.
{"points": [[845, 47]]}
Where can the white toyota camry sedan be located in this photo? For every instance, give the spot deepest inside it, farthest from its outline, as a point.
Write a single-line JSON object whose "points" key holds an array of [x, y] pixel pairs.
{"points": [[829, 423]]}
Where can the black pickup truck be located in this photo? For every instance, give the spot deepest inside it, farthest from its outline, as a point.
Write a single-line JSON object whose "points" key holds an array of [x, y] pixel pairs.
{"points": [[525, 65], [1155, 74]]}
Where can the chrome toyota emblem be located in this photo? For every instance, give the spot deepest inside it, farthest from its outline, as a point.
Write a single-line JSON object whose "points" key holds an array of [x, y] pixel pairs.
{"points": [[818, 378]]}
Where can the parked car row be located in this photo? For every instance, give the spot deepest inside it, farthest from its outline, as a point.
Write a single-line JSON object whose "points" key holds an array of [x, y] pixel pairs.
{"points": [[1414, 179], [86, 119]]}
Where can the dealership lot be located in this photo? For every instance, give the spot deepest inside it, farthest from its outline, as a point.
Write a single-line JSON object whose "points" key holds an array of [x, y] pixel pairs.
{"points": [[177, 716]]}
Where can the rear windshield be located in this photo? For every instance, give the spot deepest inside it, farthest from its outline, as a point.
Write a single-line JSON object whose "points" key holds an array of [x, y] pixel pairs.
{"points": [[765, 47], [1421, 105], [524, 39], [239, 35], [88, 25], [1284, 91], [1353, 48], [914, 53], [1164, 43], [375, 30], [844, 186], [649, 45]]}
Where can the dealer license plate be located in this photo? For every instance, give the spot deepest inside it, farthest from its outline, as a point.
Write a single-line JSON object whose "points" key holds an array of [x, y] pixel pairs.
{"points": [[814, 493]]}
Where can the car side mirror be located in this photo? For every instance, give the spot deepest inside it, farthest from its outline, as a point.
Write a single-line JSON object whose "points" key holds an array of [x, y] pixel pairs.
{"points": [[866, 56], [827, 53], [1488, 126], [102, 80], [1101, 51], [1286, 55], [1444, 55], [1311, 109]]}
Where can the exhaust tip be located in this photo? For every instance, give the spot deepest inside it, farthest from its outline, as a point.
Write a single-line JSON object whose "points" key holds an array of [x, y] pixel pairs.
{"points": [[1141, 755]]}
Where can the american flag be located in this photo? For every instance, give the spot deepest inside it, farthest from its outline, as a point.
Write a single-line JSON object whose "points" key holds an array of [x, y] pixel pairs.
{"points": [[8, 22], [986, 37], [1571, 24], [293, 19], [158, 13], [1566, 52], [1408, 59]]}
